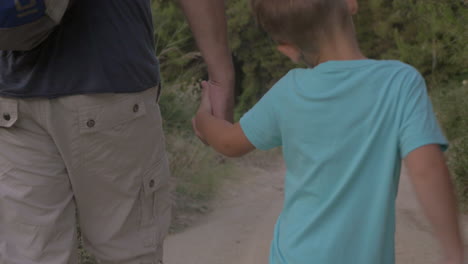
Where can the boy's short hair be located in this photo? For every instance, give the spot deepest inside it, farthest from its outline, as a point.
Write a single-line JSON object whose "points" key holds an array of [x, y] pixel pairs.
{"points": [[300, 22]]}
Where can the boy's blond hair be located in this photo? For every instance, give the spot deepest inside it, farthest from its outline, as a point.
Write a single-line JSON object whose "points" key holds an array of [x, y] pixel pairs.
{"points": [[300, 22]]}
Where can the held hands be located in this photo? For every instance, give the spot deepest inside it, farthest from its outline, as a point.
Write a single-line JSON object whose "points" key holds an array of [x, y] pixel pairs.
{"points": [[223, 136], [222, 97], [205, 106]]}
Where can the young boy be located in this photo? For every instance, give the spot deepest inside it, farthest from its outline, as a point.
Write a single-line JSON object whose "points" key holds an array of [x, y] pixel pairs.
{"points": [[345, 124]]}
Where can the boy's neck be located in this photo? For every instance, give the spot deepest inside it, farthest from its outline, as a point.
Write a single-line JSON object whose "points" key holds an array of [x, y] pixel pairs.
{"points": [[340, 48]]}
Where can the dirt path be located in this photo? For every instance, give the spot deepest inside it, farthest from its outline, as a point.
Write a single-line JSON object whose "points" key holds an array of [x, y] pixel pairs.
{"points": [[239, 229]]}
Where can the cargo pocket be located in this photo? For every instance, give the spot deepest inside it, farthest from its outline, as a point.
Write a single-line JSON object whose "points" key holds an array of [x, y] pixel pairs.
{"points": [[114, 143], [8, 112], [156, 203]]}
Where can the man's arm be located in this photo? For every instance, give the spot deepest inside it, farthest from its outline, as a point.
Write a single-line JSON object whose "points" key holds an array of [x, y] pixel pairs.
{"points": [[431, 180], [208, 23]]}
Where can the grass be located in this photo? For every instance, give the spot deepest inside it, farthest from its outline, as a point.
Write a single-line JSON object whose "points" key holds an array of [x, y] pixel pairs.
{"points": [[196, 169], [197, 173]]}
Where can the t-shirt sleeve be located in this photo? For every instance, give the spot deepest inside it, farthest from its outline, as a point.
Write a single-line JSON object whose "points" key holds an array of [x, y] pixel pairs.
{"points": [[260, 124], [419, 126]]}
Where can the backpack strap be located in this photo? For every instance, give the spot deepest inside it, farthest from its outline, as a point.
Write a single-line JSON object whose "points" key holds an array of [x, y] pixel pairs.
{"points": [[55, 9], [27, 36]]}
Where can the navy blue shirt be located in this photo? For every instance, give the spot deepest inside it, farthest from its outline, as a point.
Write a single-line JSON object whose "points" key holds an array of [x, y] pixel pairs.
{"points": [[102, 46]]}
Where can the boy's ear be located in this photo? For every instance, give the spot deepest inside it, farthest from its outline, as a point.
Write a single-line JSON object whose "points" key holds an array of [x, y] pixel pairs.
{"points": [[290, 51], [353, 6]]}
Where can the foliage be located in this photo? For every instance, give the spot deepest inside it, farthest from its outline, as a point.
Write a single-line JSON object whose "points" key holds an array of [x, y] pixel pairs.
{"points": [[428, 34], [179, 58], [258, 64]]}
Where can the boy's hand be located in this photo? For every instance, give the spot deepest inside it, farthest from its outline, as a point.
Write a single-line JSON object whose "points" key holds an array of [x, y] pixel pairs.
{"points": [[197, 132]]}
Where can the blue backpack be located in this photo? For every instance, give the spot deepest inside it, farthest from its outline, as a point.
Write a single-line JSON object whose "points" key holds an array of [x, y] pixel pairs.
{"points": [[24, 24]]}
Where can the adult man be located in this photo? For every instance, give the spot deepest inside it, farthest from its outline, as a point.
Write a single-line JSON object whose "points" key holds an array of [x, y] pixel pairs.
{"points": [[80, 127]]}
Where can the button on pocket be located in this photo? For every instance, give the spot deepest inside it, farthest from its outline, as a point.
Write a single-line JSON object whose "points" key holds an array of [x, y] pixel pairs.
{"points": [[155, 200], [91, 123], [157, 176], [8, 112], [151, 183]]}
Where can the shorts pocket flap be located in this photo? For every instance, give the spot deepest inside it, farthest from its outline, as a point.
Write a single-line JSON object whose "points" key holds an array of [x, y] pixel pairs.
{"points": [[8, 112], [156, 177], [98, 118]]}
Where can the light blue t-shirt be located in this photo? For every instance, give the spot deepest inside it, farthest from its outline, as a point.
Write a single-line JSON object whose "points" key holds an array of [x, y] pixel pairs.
{"points": [[344, 127]]}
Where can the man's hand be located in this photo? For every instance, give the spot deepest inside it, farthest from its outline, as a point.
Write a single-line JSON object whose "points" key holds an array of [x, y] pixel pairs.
{"points": [[222, 99], [207, 20], [205, 106]]}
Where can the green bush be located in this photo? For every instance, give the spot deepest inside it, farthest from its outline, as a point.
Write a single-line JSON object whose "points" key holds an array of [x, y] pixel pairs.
{"points": [[428, 34]]}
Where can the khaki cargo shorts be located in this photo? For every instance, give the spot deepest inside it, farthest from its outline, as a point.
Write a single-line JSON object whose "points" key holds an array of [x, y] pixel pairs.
{"points": [[101, 154]]}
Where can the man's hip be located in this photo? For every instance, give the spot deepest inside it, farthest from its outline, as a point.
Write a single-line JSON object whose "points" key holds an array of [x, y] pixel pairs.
{"points": [[103, 153]]}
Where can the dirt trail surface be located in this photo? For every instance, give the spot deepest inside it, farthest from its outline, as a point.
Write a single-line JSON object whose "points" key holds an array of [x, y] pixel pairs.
{"points": [[239, 229]]}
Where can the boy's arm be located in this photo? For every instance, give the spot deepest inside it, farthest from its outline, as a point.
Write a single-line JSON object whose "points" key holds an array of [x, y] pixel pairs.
{"points": [[225, 137], [431, 181], [208, 23]]}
